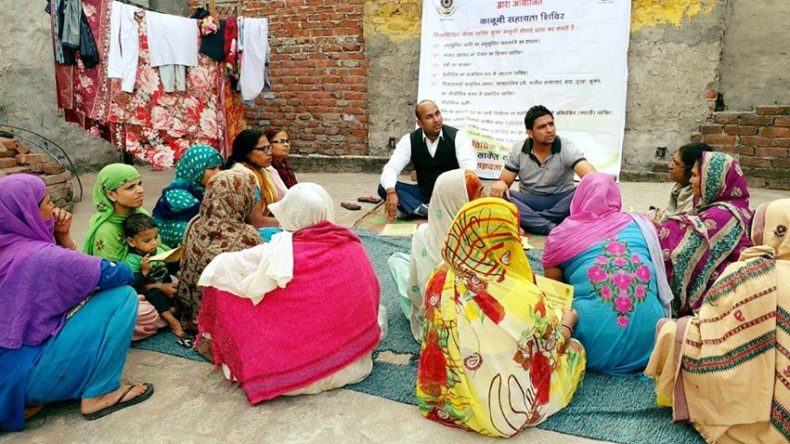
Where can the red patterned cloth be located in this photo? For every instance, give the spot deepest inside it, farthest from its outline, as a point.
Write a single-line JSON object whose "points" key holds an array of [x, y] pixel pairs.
{"points": [[150, 124]]}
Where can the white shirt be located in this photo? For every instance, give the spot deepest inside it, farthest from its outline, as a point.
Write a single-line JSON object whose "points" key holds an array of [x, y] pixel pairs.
{"points": [[464, 153], [172, 40]]}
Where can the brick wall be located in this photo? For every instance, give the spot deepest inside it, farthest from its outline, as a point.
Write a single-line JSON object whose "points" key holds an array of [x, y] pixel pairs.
{"points": [[16, 157], [318, 72], [759, 139]]}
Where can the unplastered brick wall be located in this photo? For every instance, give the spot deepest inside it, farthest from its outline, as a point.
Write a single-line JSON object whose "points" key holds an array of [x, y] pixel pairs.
{"points": [[760, 139], [318, 73]]}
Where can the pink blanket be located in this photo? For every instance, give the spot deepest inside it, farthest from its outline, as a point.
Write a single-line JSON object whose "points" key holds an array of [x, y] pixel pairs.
{"points": [[325, 319]]}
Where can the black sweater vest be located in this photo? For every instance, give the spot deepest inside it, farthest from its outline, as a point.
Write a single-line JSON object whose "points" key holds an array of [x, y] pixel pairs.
{"points": [[429, 168]]}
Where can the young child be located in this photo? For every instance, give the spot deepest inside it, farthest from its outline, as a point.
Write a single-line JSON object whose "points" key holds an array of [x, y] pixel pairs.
{"points": [[152, 278]]}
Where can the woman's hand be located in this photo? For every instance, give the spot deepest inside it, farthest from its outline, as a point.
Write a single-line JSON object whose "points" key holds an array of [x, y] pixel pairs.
{"points": [[569, 319], [63, 229], [62, 221], [169, 290]]}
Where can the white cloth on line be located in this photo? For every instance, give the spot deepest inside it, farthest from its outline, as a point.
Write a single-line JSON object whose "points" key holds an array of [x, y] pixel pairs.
{"points": [[172, 40], [255, 39], [173, 77], [124, 45]]}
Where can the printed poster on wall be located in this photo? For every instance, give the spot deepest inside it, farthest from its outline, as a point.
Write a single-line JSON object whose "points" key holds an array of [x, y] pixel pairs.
{"points": [[486, 62]]}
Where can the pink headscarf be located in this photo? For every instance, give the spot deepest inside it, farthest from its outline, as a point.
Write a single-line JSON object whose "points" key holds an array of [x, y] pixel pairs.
{"points": [[595, 216]]}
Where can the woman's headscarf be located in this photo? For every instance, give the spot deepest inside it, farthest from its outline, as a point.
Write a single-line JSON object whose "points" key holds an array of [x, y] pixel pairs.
{"points": [[697, 247], [110, 178], [181, 199], [254, 272], [285, 171], [770, 227], [489, 327], [733, 352], [595, 215], [453, 189], [220, 227], [449, 195], [34, 308]]}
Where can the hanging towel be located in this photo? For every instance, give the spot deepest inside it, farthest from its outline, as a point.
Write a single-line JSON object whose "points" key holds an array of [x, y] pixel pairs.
{"points": [[71, 24], [172, 40], [124, 45], [255, 41], [173, 77]]}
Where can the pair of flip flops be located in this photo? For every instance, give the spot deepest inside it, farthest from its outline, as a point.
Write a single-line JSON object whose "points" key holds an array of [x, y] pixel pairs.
{"points": [[186, 341], [366, 199], [121, 404]]}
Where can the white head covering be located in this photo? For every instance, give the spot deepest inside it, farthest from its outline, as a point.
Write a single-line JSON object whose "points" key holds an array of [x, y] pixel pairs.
{"points": [[449, 195], [256, 271]]}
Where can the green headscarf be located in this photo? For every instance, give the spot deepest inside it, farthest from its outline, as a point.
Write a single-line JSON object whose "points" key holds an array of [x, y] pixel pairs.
{"points": [[110, 178], [185, 192], [194, 163]]}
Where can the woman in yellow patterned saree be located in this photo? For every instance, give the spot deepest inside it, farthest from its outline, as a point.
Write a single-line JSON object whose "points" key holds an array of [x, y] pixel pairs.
{"points": [[495, 357]]}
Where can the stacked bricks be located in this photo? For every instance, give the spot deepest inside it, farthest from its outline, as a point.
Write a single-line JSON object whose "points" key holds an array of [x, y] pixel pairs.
{"points": [[16, 157], [759, 139], [318, 74]]}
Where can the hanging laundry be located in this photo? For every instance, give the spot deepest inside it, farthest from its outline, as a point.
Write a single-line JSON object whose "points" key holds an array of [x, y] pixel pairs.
{"points": [[70, 32], [158, 126], [230, 48], [212, 42], [78, 85], [66, 15], [254, 34], [172, 40], [124, 45], [173, 77]]}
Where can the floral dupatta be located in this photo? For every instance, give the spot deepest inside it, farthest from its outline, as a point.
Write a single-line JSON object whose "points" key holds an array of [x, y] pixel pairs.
{"points": [[697, 247], [490, 358]]}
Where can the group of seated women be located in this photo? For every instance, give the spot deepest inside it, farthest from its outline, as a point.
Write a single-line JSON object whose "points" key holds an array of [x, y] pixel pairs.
{"points": [[496, 357], [276, 316], [272, 308]]}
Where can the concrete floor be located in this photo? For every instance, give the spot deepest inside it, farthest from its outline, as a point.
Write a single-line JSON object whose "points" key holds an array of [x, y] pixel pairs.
{"points": [[193, 403]]}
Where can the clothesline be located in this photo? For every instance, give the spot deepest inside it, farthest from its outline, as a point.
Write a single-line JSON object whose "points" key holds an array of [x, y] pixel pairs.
{"points": [[137, 5]]}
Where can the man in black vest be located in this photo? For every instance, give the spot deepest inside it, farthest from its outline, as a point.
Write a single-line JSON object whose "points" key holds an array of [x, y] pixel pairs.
{"points": [[432, 149]]}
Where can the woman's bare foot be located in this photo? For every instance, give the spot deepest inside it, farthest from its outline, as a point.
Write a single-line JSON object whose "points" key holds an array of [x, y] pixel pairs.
{"points": [[31, 411], [91, 405]]}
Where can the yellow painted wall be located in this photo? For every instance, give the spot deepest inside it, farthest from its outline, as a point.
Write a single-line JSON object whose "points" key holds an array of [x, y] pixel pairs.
{"points": [[400, 19], [649, 13]]}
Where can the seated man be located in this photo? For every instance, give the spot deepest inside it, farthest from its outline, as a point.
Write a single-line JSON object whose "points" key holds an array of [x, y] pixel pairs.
{"points": [[544, 165], [432, 150]]}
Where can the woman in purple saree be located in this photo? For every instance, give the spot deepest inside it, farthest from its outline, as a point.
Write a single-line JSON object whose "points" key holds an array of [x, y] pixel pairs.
{"points": [[699, 245]]}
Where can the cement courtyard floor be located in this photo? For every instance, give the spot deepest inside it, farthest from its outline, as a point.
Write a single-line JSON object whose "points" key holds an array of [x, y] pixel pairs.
{"points": [[193, 403]]}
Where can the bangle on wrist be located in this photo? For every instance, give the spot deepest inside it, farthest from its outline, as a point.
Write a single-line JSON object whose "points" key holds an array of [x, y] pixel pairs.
{"points": [[391, 192], [570, 329]]}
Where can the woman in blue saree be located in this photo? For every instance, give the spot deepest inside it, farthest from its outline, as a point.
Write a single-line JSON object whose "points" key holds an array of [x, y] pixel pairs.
{"points": [[64, 337], [614, 263]]}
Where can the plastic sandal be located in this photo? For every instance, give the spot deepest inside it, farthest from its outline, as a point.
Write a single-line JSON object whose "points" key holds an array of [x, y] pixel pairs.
{"points": [[369, 199], [350, 206], [185, 341], [149, 390]]}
